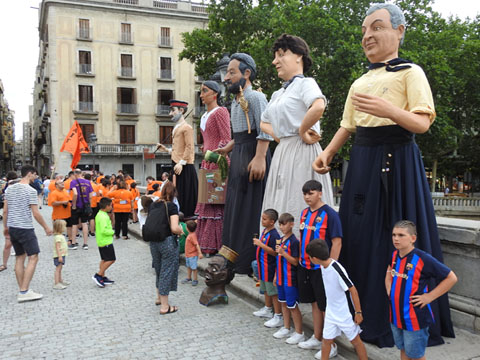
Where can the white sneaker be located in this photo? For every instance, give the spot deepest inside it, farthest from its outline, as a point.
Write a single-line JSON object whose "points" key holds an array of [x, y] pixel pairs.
{"points": [[333, 352], [274, 322], [29, 296], [282, 333], [59, 286], [65, 282], [295, 338], [310, 344], [264, 312]]}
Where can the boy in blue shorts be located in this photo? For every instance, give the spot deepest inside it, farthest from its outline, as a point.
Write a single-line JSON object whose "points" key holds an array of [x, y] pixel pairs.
{"points": [[338, 317], [266, 261], [406, 282], [286, 280], [317, 221]]}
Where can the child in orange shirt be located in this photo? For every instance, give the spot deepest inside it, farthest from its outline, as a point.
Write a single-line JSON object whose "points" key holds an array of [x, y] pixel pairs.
{"points": [[192, 254], [136, 197]]}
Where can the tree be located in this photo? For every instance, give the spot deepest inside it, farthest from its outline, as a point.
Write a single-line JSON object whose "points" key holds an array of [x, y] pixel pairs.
{"points": [[332, 29]]}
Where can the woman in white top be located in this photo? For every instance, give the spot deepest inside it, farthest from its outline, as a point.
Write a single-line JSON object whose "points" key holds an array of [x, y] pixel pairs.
{"points": [[292, 118]]}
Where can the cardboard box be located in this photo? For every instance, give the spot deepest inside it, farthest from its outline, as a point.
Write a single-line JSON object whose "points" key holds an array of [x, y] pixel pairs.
{"points": [[211, 188]]}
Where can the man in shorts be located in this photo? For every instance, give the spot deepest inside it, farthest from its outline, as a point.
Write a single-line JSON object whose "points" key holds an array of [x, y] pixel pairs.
{"points": [[81, 190], [21, 202]]}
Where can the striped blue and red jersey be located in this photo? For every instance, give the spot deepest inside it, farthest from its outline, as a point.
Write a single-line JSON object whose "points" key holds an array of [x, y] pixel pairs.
{"points": [[267, 263], [323, 224], [412, 275], [286, 272]]}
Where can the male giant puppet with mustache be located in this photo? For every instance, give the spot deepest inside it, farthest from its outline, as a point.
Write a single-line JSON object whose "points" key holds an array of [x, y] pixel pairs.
{"points": [[250, 161]]}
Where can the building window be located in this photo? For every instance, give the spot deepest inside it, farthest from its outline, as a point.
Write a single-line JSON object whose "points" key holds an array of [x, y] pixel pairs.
{"points": [[85, 98], [84, 29], [126, 101], [85, 61], [126, 64], [163, 102], [165, 39], [126, 33], [129, 169], [127, 134], [166, 68], [165, 134], [87, 130]]}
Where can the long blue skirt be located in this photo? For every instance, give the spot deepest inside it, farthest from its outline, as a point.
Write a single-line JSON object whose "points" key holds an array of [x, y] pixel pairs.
{"points": [[385, 183]]}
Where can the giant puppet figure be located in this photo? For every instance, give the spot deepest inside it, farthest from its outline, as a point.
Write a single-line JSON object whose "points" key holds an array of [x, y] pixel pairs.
{"points": [[385, 181], [183, 157], [249, 162]]}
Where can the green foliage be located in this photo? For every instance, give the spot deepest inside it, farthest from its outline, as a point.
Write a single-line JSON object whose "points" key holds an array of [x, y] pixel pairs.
{"points": [[447, 50]]}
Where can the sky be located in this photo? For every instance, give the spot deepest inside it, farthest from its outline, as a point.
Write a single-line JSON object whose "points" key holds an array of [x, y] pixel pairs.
{"points": [[19, 48]]}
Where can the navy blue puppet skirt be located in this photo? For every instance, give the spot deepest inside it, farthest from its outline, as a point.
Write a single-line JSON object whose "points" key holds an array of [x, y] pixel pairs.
{"points": [[385, 183], [243, 203]]}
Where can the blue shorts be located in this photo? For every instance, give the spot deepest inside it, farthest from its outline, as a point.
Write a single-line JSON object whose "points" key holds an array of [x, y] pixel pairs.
{"points": [[288, 294], [191, 262], [413, 342], [56, 263]]}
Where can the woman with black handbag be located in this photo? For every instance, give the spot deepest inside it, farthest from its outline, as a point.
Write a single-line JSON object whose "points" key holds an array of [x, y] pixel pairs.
{"points": [[163, 221]]}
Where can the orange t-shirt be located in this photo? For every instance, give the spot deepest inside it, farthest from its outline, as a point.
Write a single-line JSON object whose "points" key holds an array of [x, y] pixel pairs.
{"points": [[136, 196], [99, 179], [51, 186], [150, 186], [191, 245], [95, 195], [60, 211], [157, 193], [129, 182], [122, 200]]}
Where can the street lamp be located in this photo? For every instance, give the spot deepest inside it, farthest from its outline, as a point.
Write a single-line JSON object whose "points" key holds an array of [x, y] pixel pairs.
{"points": [[92, 139]]}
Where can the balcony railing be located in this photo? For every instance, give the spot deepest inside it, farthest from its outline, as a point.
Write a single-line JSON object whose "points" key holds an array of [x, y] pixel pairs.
{"points": [[163, 110], [84, 33], [165, 41], [85, 68], [128, 2], [44, 111], [126, 37], [127, 108], [166, 74], [126, 71], [199, 9], [85, 106], [129, 149], [165, 4]]}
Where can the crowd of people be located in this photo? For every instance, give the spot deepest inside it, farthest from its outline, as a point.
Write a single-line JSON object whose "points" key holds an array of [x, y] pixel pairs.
{"points": [[384, 236]]}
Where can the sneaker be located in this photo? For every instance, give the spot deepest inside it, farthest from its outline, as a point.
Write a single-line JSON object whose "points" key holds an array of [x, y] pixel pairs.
{"points": [[85, 247], [194, 282], [265, 312], [91, 233], [59, 286], [312, 343], [295, 339], [98, 280], [282, 333], [66, 282], [78, 235], [333, 352], [274, 322], [186, 281], [30, 295], [73, 246], [107, 281]]}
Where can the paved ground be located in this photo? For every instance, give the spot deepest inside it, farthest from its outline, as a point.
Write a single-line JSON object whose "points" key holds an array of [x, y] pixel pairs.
{"points": [[121, 321]]}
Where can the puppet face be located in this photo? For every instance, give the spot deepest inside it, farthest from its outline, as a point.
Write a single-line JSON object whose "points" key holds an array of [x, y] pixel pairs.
{"points": [[207, 95], [380, 40], [287, 64], [216, 272], [176, 113], [234, 78]]}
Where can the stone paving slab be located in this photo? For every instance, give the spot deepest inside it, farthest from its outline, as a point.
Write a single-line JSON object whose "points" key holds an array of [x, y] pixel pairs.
{"points": [[466, 345], [121, 320]]}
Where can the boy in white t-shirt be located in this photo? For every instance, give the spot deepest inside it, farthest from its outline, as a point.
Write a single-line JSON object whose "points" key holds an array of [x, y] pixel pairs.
{"points": [[338, 318]]}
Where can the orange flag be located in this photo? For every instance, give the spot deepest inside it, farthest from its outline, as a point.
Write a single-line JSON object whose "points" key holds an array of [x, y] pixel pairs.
{"points": [[75, 144]]}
